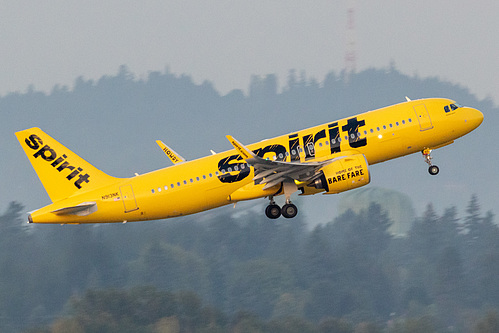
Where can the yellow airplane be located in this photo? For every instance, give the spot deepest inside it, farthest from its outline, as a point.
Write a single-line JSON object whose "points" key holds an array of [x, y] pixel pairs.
{"points": [[329, 158]]}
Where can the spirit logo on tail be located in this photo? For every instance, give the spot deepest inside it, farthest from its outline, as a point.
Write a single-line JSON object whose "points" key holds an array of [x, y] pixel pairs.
{"points": [[48, 154]]}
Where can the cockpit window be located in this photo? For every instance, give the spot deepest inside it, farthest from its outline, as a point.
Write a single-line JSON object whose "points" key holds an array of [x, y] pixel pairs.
{"points": [[451, 107]]}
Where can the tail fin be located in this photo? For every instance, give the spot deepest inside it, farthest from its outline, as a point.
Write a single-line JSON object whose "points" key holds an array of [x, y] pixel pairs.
{"points": [[62, 172]]}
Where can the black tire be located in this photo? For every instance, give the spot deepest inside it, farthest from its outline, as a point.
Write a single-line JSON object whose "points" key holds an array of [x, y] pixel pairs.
{"points": [[289, 211], [433, 170], [273, 211]]}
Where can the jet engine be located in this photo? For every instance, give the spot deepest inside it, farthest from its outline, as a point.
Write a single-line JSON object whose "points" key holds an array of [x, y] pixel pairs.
{"points": [[343, 174]]}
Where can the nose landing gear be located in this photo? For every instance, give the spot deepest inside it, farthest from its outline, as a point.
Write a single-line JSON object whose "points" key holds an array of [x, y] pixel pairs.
{"points": [[432, 169]]}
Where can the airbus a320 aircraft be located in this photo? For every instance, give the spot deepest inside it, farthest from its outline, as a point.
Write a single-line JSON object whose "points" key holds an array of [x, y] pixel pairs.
{"points": [[329, 158]]}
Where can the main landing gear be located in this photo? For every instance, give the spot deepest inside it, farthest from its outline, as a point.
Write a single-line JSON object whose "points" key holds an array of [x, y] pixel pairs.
{"points": [[273, 211], [432, 169], [289, 210]]}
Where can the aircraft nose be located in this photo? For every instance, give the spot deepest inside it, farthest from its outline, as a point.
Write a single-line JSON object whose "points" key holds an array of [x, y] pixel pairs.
{"points": [[473, 117]]}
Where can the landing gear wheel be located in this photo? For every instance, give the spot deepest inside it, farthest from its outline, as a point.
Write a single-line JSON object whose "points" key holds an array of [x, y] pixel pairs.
{"points": [[273, 211], [289, 210], [433, 170]]}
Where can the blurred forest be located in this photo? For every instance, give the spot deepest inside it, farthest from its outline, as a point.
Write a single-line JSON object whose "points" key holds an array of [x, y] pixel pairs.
{"points": [[235, 270], [247, 273]]}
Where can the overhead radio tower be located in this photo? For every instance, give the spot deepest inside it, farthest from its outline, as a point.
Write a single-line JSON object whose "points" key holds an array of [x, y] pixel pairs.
{"points": [[350, 52]]}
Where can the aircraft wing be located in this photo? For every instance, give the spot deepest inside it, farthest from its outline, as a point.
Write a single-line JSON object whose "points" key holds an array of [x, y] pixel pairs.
{"points": [[272, 173]]}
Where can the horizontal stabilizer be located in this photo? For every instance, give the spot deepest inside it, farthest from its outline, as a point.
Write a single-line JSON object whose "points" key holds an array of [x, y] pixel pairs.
{"points": [[172, 155], [82, 209]]}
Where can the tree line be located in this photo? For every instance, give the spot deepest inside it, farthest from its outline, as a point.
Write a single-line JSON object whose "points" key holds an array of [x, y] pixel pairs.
{"points": [[245, 268]]}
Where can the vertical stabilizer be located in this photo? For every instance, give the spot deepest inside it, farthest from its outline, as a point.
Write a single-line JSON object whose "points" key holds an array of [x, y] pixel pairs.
{"points": [[62, 172]]}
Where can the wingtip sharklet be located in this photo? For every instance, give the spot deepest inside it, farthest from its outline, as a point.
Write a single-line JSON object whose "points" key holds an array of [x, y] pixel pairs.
{"points": [[172, 154], [241, 149]]}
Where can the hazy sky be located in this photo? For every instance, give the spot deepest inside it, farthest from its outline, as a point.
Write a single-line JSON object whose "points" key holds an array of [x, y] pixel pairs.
{"points": [[226, 41]]}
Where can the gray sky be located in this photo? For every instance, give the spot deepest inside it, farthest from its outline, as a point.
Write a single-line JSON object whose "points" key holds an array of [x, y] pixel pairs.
{"points": [[226, 41]]}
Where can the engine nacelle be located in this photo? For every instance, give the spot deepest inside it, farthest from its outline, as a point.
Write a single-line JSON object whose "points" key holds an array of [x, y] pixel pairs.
{"points": [[343, 174]]}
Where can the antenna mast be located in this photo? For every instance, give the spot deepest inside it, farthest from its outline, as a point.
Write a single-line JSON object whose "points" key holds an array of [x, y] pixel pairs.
{"points": [[350, 53]]}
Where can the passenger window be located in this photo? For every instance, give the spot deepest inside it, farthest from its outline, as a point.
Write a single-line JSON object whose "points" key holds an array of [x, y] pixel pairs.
{"points": [[391, 125], [192, 181], [204, 176], [397, 123], [171, 186], [384, 126], [152, 191], [403, 122], [166, 187], [197, 178], [310, 148], [178, 183], [372, 131], [159, 189], [377, 128], [185, 182], [410, 120]]}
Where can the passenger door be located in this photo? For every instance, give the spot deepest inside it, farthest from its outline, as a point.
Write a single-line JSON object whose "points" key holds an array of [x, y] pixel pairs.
{"points": [[423, 117]]}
